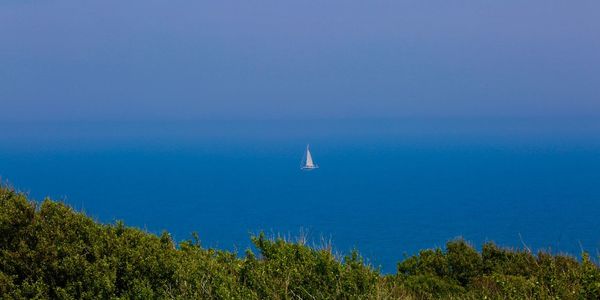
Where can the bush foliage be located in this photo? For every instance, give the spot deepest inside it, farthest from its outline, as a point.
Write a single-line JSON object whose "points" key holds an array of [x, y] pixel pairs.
{"points": [[49, 251]]}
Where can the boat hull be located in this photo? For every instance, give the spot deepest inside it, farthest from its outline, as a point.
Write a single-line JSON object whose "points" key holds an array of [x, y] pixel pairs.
{"points": [[309, 168]]}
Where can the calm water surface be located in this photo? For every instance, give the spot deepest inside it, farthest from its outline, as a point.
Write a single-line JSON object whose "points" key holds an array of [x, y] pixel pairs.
{"points": [[387, 190]]}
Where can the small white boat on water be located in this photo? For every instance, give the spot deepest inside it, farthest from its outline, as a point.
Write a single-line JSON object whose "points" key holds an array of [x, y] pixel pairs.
{"points": [[308, 163]]}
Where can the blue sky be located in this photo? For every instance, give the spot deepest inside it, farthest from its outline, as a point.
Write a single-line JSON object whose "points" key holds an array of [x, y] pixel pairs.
{"points": [[73, 60]]}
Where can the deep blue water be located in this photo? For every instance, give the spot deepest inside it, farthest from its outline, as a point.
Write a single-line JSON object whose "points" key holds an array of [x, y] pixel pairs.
{"points": [[386, 189]]}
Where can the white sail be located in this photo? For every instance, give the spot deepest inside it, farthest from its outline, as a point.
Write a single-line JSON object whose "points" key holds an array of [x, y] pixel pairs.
{"points": [[308, 163]]}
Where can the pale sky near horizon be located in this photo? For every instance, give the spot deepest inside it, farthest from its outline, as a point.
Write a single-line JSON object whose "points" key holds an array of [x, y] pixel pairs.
{"points": [[69, 60]]}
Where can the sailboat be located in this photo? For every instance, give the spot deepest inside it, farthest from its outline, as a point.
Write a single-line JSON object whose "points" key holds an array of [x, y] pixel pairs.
{"points": [[308, 162]]}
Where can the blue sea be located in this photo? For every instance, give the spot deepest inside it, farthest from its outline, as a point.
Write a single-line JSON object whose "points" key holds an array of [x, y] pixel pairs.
{"points": [[384, 187]]}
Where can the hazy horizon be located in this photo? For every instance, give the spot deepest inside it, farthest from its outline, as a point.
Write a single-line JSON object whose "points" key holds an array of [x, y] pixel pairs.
{"points": [[114, 61]]}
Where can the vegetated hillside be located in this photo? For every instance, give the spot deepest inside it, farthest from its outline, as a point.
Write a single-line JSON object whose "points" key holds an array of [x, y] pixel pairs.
{"points": [[49, 251]]}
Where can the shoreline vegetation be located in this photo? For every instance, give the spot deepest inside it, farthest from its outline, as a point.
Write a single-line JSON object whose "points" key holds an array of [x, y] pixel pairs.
{"points": [[50, 251]]}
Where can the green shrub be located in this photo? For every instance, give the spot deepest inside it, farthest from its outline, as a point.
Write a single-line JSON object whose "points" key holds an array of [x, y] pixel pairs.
{"points": [[49, 251]]}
